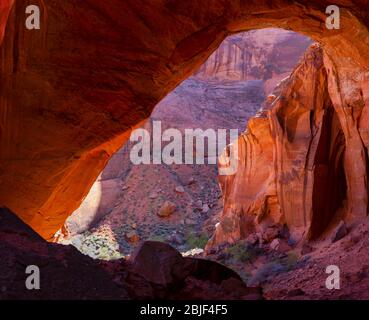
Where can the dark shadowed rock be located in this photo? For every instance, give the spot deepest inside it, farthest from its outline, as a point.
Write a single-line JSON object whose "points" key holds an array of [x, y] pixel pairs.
{"points": [[296, 292], [339, 232], [156, 271], [65, 272], [306, 249], [155, 261], [180, 277]]}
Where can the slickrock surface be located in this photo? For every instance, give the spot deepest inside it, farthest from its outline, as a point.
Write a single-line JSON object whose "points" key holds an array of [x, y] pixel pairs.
{"points": [[64, 272]]}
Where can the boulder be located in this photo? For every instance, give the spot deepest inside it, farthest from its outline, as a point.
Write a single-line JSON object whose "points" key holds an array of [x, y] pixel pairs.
{"points": [[185, 277], [270, 234], [205, 208], [274, 245], [191, 181], [167, 209], [198, 204], [179, 189], [155, 261], [132, 237]]}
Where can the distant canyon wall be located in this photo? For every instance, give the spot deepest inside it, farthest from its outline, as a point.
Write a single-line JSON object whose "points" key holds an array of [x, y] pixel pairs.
{"points": [[266, 54]]}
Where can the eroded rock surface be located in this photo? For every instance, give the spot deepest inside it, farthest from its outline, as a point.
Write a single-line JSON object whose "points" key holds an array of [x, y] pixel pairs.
{"points": [[291, 162]]}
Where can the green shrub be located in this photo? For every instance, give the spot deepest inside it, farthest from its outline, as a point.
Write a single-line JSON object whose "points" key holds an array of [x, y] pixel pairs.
{"points": [[196, 241], [243, 252], [291, 261]]}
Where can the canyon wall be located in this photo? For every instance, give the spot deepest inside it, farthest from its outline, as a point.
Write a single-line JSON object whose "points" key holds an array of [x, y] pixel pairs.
{"points": [[266, 54], [71, 92], [290, 162]]}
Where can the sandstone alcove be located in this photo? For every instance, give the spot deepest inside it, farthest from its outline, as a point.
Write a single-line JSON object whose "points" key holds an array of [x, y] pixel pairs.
{"points": [[71, 92]]}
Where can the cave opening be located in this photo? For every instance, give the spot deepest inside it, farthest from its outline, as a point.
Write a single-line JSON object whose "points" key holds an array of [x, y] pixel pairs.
{"points": [[62, 123], [123, 206]]}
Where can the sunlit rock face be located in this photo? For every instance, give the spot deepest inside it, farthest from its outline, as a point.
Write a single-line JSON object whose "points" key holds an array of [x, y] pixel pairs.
{"points": [[71, 93], [291, 162]]}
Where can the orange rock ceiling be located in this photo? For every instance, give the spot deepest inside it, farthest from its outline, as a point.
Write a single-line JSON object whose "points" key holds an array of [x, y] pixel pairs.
{"points": [[71, 92]]}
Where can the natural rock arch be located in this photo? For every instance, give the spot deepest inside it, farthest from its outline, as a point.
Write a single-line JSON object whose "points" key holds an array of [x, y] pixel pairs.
{"points": [[71, 92]]}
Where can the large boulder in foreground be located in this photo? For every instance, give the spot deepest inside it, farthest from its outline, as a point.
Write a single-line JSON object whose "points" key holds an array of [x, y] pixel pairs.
{"points": [[176, 277]]}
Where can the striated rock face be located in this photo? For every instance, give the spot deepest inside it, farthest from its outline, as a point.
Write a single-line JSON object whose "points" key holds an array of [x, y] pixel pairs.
{"points": [[5, 7], [71, 92], [267, 54], [291, 162]]}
